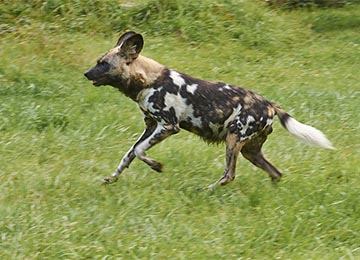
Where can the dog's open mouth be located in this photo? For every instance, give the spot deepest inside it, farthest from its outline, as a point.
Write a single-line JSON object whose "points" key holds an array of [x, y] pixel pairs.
{"points": [[98, 82]]}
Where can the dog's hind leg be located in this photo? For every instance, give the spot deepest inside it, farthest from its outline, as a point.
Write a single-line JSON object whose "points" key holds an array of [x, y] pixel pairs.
{"points": [[233, 147], [252, 152]]}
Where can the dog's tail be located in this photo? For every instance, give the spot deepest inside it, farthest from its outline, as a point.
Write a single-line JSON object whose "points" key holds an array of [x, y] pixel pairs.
{"points": [[304, 132]]}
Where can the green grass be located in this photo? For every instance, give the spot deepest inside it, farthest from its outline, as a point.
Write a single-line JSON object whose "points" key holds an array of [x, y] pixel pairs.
{"points": [[59, 136]]}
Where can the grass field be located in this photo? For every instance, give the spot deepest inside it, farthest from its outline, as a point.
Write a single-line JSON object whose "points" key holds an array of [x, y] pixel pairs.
{"points": [[59, 135]]}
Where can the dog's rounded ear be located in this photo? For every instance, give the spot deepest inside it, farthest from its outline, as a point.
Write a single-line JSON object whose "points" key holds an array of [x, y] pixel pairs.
{"points": [[124, 37], [131, 45]]}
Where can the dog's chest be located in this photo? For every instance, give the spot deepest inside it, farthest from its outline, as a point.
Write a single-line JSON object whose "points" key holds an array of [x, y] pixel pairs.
{"points": [[167, 105]]}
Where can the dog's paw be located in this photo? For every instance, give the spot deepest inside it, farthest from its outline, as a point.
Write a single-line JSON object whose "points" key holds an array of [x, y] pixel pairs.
{"points": [[156, 166], [109, 180]]}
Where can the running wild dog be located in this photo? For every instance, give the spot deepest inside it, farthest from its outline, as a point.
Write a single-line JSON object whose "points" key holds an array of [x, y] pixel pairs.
{"points": [[171, 100]]}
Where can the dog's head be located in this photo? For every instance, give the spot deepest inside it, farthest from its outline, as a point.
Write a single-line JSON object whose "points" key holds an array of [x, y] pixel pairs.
{"points": [[113, 68]]}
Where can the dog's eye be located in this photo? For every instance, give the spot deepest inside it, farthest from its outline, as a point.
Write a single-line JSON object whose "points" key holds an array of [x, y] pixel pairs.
{"points": [[102, 62]]}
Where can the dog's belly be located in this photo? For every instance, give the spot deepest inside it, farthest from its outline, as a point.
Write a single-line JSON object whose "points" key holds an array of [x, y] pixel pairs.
{"points": [[213, 133], [244, 125], [211, 124]]}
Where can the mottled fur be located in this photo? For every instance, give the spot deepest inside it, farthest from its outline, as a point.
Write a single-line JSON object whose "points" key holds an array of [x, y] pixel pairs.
{"points": [[171, 100]]}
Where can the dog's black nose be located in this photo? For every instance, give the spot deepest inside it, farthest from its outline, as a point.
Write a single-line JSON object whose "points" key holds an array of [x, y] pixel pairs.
{"points": [[86, 73]]}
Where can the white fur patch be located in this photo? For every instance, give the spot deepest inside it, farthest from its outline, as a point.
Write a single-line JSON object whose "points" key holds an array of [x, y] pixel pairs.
{"points": [[249, 120], [236, 111], [177, 79], [175, 101], [269, 121], [195, 121], [183, 111], [191, 88], [143, 98], [307, 133]]}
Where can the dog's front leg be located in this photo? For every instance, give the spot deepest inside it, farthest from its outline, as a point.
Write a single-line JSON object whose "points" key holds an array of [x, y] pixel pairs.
{"points": [[153, 134], [130, 155], [161, 132]]}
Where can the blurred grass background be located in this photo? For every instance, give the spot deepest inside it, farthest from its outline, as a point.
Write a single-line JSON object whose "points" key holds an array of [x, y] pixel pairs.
{"points": [[59, 135]]}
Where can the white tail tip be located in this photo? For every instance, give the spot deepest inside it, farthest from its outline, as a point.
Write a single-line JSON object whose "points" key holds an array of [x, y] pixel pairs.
{"points": [[307, 133]]}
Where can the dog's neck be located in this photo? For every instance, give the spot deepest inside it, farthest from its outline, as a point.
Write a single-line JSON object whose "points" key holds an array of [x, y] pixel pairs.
{"points": [[143, 72]]}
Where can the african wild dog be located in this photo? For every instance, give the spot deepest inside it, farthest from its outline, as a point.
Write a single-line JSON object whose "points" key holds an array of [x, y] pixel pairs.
{"points": [[171, 100]]}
